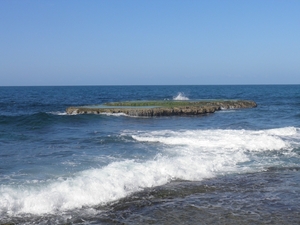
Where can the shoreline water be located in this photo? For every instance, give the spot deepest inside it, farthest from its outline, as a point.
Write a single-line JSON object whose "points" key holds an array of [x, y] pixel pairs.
{"points": [[234, 199]]}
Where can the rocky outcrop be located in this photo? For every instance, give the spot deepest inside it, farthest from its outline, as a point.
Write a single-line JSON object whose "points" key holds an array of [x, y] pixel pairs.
{"points": [[186, 109]]}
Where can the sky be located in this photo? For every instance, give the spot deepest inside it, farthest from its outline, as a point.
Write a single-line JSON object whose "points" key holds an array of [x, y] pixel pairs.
{"points": [[149, 42]]}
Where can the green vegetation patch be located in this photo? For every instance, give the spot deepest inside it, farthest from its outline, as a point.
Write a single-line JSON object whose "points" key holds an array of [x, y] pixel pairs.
{"points": [[159, 103]]}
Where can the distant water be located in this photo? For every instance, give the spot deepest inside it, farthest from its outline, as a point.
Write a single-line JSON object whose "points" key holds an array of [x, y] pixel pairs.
{"points": [[230, 167]]}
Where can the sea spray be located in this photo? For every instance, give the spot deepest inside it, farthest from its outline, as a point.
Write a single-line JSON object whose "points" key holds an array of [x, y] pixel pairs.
{"points": [[97, 186], [186, 155], [180, 97]]}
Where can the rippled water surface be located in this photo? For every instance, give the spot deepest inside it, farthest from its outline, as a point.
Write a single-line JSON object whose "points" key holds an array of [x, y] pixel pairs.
{"points": [[229, 167]]}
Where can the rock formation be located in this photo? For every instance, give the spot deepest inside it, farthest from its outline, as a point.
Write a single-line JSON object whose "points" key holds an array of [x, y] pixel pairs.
{"points": [[162, 108]]}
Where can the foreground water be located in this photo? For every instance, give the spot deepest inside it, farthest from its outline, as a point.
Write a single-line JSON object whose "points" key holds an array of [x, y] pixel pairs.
{"points": [[230, 167]]}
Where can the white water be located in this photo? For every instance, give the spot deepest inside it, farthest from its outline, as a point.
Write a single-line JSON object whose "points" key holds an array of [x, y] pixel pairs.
{"points": [[180, 97], [114, 114], [59, 113], [186, 154]]}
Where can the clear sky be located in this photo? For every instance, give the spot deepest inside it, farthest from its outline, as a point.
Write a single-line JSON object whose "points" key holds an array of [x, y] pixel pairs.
{"points": [[156, 42]]}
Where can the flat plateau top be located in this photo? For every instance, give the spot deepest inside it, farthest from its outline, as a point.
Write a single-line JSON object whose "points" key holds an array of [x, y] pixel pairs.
{"points": [[165, 103]]}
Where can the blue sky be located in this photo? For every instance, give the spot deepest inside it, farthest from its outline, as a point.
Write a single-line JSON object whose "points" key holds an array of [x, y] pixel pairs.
{"points": [[155, 42]]}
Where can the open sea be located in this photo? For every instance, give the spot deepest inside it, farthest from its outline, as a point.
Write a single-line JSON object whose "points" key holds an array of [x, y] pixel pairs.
{"points": [[230, 167]]}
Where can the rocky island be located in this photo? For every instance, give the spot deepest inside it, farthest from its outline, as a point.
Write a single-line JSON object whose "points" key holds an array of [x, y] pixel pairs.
{"points": [[162, 108]]}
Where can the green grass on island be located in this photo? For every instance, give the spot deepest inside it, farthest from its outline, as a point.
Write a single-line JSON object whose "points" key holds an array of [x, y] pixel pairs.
{"points": [[163, 108], [163, 103]]}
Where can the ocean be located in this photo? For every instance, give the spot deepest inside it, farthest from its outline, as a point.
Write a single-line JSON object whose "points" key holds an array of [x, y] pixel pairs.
{"points": [[239, 166]]}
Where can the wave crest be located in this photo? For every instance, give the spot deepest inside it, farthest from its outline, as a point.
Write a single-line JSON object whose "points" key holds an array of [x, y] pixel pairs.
{"points": [[185, 155]]}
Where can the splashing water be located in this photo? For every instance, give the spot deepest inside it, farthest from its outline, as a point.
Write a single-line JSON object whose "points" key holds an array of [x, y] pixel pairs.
{"points": [[180, 96], [186, 155]]}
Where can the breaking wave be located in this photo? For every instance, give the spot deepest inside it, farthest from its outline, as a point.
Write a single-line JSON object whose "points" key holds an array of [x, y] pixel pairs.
{"points": [[187, 155]]}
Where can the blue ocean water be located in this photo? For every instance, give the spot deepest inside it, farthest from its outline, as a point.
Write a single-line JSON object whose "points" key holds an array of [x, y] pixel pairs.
{"points": [[226, 167]]}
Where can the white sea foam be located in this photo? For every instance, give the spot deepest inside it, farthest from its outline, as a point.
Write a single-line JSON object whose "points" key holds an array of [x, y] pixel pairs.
{"points": [[185, 154], [114, 114], [180, 96], [222, 139], [59, 113]]}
